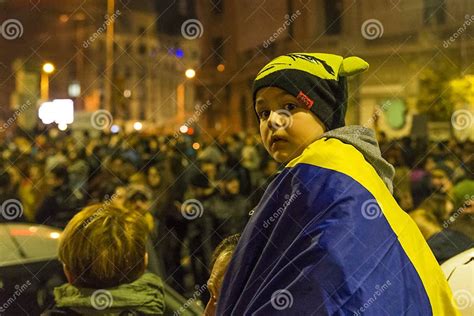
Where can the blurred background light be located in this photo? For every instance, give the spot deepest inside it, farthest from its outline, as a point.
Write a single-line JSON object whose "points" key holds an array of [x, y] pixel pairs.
{"points": [[60, 111], [179, 53], [62, 127], [137, 126], [74, 89], [48, 68], [183, 129], [190, 73], [115, 129]]}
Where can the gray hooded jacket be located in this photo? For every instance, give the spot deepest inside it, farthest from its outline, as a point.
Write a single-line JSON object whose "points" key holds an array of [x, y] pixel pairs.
{"points": [[363, 139]]}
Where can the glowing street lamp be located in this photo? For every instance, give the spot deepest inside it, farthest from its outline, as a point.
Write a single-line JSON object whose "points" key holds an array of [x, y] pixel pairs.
{"points": [[48, 68], [180, 94], [190, 73], [137, 126]]}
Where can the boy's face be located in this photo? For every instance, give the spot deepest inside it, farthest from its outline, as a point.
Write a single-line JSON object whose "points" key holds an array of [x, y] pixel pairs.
{"points": [[287, 127]]}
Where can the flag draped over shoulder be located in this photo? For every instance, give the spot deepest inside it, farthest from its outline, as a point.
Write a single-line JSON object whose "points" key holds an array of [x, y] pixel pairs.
{"points": [[328, 238]]}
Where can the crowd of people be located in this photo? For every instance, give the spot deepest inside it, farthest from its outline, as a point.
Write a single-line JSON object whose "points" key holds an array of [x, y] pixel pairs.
{"points": [[434, 183], [55, 175], [192, 199]]}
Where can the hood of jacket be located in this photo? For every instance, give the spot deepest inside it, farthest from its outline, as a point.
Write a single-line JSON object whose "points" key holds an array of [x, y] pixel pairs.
{"points": [[145, 295], [363, 139]]}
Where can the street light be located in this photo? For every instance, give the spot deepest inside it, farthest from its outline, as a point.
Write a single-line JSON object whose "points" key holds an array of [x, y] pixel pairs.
{"points": [[180, 95], [190, 73], [48, 68], [137, 126]]}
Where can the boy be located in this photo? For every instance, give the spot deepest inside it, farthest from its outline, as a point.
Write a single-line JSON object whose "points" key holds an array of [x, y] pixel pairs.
{"points": [[103, 253], [327, 237]]}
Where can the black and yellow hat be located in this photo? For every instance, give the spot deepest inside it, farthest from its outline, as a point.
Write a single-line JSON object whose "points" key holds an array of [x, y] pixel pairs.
{"points": [[315, 79]]}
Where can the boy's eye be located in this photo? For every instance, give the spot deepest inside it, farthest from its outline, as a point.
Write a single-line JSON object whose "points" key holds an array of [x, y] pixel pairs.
{"points": [[290, 106], [263, 114]]}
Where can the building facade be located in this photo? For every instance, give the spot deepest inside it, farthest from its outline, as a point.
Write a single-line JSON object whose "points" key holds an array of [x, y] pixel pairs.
{"points": [[147, 78]]}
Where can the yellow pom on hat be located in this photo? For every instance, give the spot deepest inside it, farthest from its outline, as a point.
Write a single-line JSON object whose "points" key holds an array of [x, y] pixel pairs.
{"points": [[353, 65]]}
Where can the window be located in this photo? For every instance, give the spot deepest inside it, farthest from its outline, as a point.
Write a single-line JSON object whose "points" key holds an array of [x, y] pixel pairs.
{"points": [[200, 93], [142, 110], [128, 72], [182, 7], [218, 50], [228, 93], [434, 12], [217, 6], [289, 5], [333, 12]]}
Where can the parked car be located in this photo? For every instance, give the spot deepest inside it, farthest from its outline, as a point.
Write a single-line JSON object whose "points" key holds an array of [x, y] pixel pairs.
{"points": [[459, 270]]}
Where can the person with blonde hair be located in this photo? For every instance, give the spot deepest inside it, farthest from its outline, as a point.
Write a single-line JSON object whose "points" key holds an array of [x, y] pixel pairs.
{"points": [[103, 252], [220, 261]]}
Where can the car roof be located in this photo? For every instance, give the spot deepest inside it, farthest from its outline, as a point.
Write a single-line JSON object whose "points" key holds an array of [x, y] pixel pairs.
{"points": [[22, 243]]}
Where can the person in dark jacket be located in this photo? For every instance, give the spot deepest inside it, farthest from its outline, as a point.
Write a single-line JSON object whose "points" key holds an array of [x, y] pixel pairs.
{"points": [[445, 242], [229, 208], [11, 208], [103, 251], [60, 204], [196, 210]]}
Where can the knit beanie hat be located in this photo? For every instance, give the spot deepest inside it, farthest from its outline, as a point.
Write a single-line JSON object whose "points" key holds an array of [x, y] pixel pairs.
{"points": [[316, 80], [462, 193]]}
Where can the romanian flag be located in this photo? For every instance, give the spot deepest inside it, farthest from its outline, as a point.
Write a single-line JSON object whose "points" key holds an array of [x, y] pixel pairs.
{"points": [[328, 238]]}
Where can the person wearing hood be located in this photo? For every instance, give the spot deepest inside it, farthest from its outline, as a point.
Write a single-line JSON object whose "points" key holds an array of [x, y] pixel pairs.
{"points": [[327, 237], [103, 252]]}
